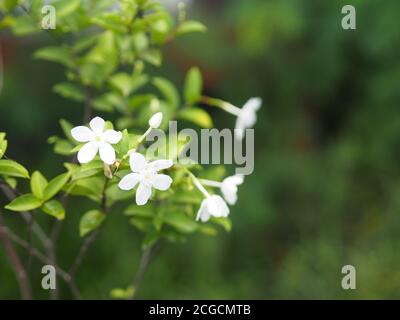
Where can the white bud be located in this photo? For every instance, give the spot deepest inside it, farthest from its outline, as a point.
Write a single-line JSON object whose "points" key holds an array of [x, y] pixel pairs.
{"points": [[155, 120]]}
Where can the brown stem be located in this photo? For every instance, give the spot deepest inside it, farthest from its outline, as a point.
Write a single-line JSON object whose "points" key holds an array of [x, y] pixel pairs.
{"points": [[143, 265], [87, 115], [91, 238], [19, 269], [41, 257]]}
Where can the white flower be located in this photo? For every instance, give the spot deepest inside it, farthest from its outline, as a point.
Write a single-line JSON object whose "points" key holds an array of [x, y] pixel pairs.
{"points": [[246, 117], [97, 140], [229, 188], [155, 120], [146, 175], [212, 206]]}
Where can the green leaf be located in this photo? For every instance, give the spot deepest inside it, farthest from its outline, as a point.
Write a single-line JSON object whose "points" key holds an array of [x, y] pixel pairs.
{"points": [[90, 221], [180, 221], [189, 27], [38, 184], [24, 25], [153, 57], [55, 209], [122, 82], [66, 7], [70, 91], [168, 90], [193, 85], [55, 185], [25, 202], [55, 54], [197, 116], [66, 127], [13, 169], [3, 144], [120, 293]]}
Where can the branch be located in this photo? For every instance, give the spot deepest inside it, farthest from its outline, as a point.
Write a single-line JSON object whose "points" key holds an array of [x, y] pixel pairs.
{"points": [[91, 238], [11, 194], [20, 272], [143, 265], [41, 257]]}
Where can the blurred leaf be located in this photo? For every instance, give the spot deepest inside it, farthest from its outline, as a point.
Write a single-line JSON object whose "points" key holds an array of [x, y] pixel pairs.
{"points": [[70, 91], [55, 54], [197, 116], [168, 90], [66, 7], [190, 26], [54, 208], [180, 221], [3, 144], [24, 25], [119, 293], [90, 221], [193, 85]]}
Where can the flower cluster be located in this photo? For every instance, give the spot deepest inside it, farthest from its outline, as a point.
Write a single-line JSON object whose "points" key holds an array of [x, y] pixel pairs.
{"points": [[146, 175]]}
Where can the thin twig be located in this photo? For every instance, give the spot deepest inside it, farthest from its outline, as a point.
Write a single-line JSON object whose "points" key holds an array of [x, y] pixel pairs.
{"points": [[91, 238], [19, 269], [40, 256], [11, 194], [143, 265]]}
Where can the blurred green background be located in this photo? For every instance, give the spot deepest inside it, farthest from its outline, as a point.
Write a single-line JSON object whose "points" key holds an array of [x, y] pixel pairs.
{"points": [[326, 188]]}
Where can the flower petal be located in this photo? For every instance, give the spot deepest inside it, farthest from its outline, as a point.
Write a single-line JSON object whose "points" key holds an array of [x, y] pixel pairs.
{"points": [[161, 181], [82, 134], [112, 136], [107, 153], [203, 214], [97, 124], [87, 152], [137, 162], [217, 206], [230, 193], [129, 181], [143, 194], [158, 165], [253, 104], [239, 129]]}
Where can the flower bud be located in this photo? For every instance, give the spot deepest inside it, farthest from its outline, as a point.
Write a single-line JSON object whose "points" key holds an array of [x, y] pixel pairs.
{"points": [[155, 120]]}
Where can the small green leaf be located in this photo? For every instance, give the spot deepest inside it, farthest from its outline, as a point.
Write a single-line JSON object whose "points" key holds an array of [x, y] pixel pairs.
{"points": [[90, 221], [55, 54], [66, 7], [70, 91], [25, 202], [122, 82], [153, 57], [38, 184], [180, 222], [3, 144], [193, 85], [23, 25], [190, 26], [54, 208], [197, 116], [168, 90], [13, 169], [66, 128], [55, 185], [120, 293]]}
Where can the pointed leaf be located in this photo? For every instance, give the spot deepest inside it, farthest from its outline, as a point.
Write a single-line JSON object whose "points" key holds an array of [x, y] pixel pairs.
{"points": [[25, 202]]}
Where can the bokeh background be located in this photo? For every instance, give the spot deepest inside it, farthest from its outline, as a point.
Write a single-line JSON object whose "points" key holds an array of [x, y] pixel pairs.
{"points": [[326, 186]]}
